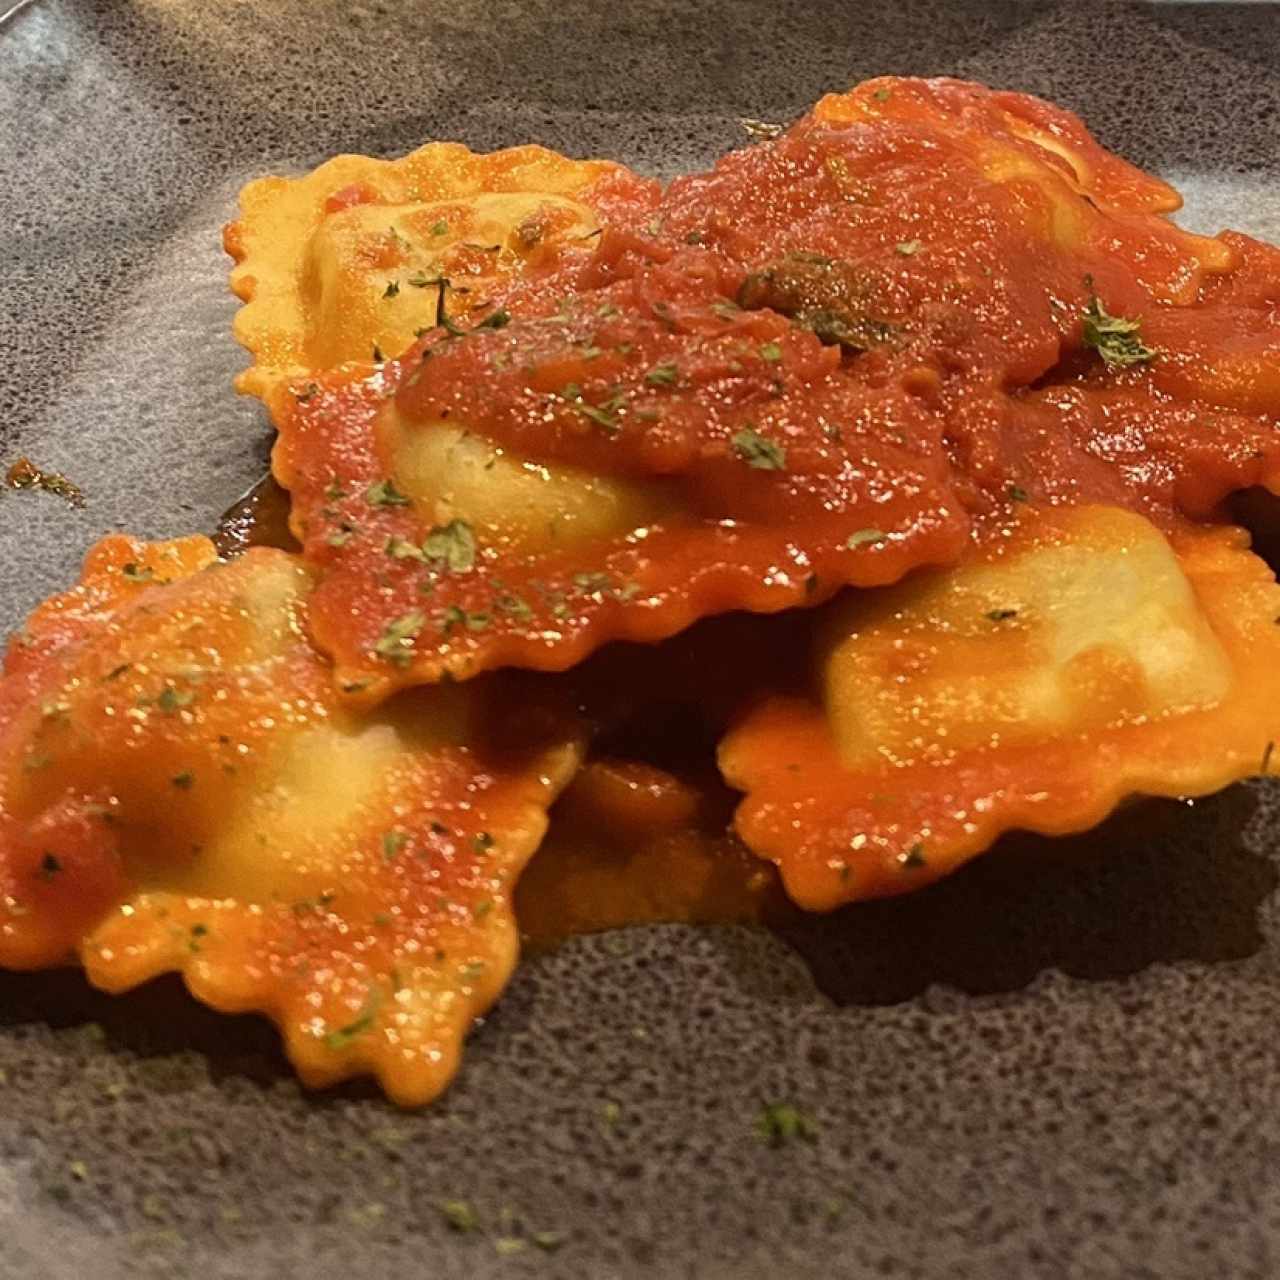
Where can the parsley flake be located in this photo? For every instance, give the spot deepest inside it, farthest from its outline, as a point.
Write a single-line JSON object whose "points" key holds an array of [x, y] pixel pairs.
{"points": [[1114, 338], [172, 700], [456, 616], [454, 544], [403, 549], [459, 1215], [137, 573], [770, 351], [392, 843], [1016, 493], [603, 415], [184, 781], [909, 248], [780, 1122], [362, 1022], [392, 289], [385, 494], [759, 452], [592, 582], [50, 865], [440, 228], [662, 375], [865, 538], [1001, 615], [396, 642]]}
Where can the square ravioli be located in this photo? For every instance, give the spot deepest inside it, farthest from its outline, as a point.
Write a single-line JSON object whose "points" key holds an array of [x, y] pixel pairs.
{"points": [[181, 791], [1085, 659], [345, 264], [821, 363]]}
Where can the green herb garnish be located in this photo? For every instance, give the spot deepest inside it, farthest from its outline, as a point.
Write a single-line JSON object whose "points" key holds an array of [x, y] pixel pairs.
{"points": [[759, 451], [396, 642], [172, 700], [456, 616], [392, 289], [770, 351], [357, 1027], [780, 1122], [662, 375], [1114, 338], [454, 544], [459, 1215], [403, 549], [184, 781], [385, 494], [865, 538]]}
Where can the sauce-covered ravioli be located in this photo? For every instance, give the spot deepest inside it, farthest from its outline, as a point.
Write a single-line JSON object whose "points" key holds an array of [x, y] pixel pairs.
{"points": [[1034, 686], [181, 791], [350, 262], [821, 363]]}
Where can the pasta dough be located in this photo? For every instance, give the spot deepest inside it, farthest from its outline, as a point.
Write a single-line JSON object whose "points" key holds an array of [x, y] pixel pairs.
{"points": [[345, 264], [831, 359], [181, 792], [1034, 686]]}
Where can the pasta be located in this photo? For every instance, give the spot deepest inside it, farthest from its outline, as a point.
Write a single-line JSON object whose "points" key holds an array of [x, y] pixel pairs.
{"points": [[181, 792], [346, 261], [735, 401], [899, 447], [1086, 659]]}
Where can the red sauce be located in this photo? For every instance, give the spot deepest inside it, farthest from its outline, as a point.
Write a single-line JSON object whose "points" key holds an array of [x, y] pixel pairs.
{"points": [[871, 325]]}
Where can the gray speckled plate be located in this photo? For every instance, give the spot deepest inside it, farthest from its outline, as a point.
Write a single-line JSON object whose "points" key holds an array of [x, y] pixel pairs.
{"points": [[1063, 1063]]}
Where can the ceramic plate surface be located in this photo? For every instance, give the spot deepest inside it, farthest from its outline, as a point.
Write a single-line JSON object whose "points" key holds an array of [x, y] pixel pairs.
{"points": [[1062, 1063]]}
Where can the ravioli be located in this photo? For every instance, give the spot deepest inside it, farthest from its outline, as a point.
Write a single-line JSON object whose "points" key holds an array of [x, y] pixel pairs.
{"points": [[181, 791], [823, 363], [348, 263], [631, 844], [1086, 659]]}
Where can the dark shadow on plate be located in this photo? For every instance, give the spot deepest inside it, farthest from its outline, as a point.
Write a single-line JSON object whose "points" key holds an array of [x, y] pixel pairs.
{"points": [[157, 1020], [1160, 881]]}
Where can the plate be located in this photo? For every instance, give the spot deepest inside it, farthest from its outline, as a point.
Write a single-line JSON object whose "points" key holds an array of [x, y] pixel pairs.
{"points": [[1062, 1063]]}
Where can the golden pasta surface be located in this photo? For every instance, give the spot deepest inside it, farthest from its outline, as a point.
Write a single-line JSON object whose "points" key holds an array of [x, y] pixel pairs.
{"points": [[182, 791], [846, 504], [1086, 659]]}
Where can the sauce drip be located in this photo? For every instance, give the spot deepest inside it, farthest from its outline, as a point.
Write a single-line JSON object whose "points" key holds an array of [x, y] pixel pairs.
{"points": [[24, 474]]}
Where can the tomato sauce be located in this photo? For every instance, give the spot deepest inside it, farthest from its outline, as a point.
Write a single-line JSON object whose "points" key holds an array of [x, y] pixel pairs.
{"points": [[838, 355]]}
